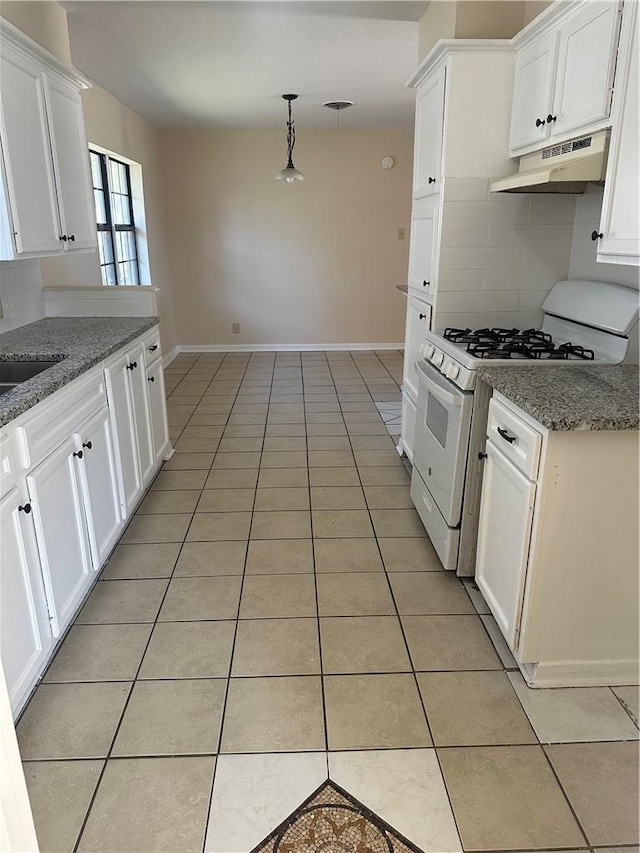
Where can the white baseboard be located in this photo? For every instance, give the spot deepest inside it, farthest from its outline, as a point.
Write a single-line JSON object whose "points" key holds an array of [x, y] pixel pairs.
{"points": [[285, 347], [583, 673], [168, 358]]}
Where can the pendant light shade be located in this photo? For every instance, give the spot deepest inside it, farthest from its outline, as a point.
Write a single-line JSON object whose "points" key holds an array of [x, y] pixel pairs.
{"points": [[290, 173]]}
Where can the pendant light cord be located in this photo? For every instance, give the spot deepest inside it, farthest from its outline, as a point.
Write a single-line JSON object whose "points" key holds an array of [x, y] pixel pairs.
{"points": [[291, 139]]}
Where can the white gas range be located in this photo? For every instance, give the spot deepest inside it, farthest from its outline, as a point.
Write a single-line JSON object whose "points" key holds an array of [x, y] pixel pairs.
{"points": [[584, 323]]}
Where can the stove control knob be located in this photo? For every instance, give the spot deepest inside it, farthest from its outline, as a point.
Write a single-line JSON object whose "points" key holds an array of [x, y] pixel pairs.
{"points": [[429, 350], [438, 358], [453, 371]]}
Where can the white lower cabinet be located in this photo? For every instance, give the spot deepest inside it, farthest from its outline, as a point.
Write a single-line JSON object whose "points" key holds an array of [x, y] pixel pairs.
{"points": [[417, 325], [503, 539], [157, 410], [61, 532], [73, 470], [409, 413], [98, 478], [25, 633]]}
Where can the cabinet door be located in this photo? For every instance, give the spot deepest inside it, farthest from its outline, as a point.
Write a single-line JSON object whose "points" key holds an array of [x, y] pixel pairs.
{"points": [[586, 62], [54, 493], [422, 249], [533, 92], [71, 165], [99, 482], [24, 620], [427, 157], [408, 425], [620, 222], [123, 425], [418, 317], [140, 399], [504, 533], [27, 156], [158, 409]]}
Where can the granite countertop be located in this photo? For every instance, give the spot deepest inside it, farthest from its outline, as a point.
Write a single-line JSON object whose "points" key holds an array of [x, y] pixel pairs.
{"points": [[78, 343], [584, 397], [403, 288]]}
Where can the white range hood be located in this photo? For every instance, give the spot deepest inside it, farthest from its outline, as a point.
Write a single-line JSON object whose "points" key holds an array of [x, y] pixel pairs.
{"points": [[562, 168]]}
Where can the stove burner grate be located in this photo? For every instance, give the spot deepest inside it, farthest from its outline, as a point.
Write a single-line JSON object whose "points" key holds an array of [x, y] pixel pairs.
{"points": [[513, 343]]}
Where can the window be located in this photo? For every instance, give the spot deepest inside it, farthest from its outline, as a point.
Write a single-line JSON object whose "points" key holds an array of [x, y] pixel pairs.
{"points": [[113, 200]]}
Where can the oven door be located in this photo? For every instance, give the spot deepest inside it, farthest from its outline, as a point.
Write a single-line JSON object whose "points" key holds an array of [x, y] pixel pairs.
{"points": [[441, 443]]}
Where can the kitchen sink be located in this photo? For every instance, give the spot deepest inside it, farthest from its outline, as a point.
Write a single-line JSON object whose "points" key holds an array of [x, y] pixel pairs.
{"points": [[12, 373]]}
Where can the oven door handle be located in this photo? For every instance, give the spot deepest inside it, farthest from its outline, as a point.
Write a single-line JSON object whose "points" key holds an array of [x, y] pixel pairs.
{"points": [[441, 393]]}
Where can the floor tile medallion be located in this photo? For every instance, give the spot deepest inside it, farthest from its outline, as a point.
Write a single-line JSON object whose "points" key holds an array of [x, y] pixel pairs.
{"points": [[332, 821]]}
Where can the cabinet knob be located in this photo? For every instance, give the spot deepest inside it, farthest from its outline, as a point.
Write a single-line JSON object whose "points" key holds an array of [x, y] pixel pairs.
{"points": [[78, 453], [72, 237], [426, 283], [153, 348], [26, 508], [64, 238], [595, 235], [432, 180], [421, 316], [551, 118], [132, 366], [504, 434], [540, 122], [88, 445], [482, 456], [151, 378]]}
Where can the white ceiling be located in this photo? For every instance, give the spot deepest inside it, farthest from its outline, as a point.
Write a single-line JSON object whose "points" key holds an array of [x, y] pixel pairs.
{"points": [[225, 65]]}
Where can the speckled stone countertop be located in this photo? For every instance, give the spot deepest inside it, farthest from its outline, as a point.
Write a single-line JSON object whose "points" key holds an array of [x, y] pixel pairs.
{"points": [[78, 343], [403, 288], [572, 398]]}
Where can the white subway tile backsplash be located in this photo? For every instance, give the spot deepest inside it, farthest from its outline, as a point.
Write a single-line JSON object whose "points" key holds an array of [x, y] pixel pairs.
{"points": [[561, 211], [550, 258], [513, 209], [460, 280], [21, 293], [498, 300], [463, 235], [520, 234], [482, 258]]}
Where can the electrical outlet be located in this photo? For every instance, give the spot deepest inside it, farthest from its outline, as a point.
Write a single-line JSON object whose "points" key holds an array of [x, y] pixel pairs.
{"points": [[235, 328], [400, 233]]}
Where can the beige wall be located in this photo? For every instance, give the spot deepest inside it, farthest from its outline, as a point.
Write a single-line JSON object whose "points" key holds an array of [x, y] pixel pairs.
{"points": [[42, 20], [472, 19], [314, 262]]}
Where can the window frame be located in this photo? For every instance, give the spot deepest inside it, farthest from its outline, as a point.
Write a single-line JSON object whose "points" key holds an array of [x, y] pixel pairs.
{"points": [[112, 228]]}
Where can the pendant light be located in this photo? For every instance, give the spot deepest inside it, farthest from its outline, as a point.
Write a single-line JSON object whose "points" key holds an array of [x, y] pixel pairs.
{"points": [[290, 173]]}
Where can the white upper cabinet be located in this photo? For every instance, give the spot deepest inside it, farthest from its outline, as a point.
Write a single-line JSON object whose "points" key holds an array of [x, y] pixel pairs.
{"points": [[28, 170], [619, 240], [71, 164], [533, 92], [586, 64], [427, 174], [46, 205], [564, 74]]}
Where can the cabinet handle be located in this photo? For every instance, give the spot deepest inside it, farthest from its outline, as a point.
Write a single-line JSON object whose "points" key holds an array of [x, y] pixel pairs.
{"points": [[72, 237], [596, 236], [426, 283], [88, 445], [78, 453], [132, 366], [26, 508], [432, 180], [153, 348], [551, 118], [64, 238], [504, 434], [540, 122], [421, 316], [151, 378], [482, 456]]}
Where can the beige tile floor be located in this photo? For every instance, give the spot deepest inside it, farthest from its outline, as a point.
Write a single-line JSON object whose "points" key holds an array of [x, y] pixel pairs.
{"points": [[274, 613]]}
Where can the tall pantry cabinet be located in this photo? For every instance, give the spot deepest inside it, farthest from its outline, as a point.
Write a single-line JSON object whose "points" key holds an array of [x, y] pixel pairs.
{"points": [[463, 98]]}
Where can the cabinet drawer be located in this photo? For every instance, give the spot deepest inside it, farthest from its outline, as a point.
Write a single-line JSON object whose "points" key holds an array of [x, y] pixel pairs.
{"points": [[57, 419], [517, 440], [8, 475], [445, 540], [152, 350]]}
